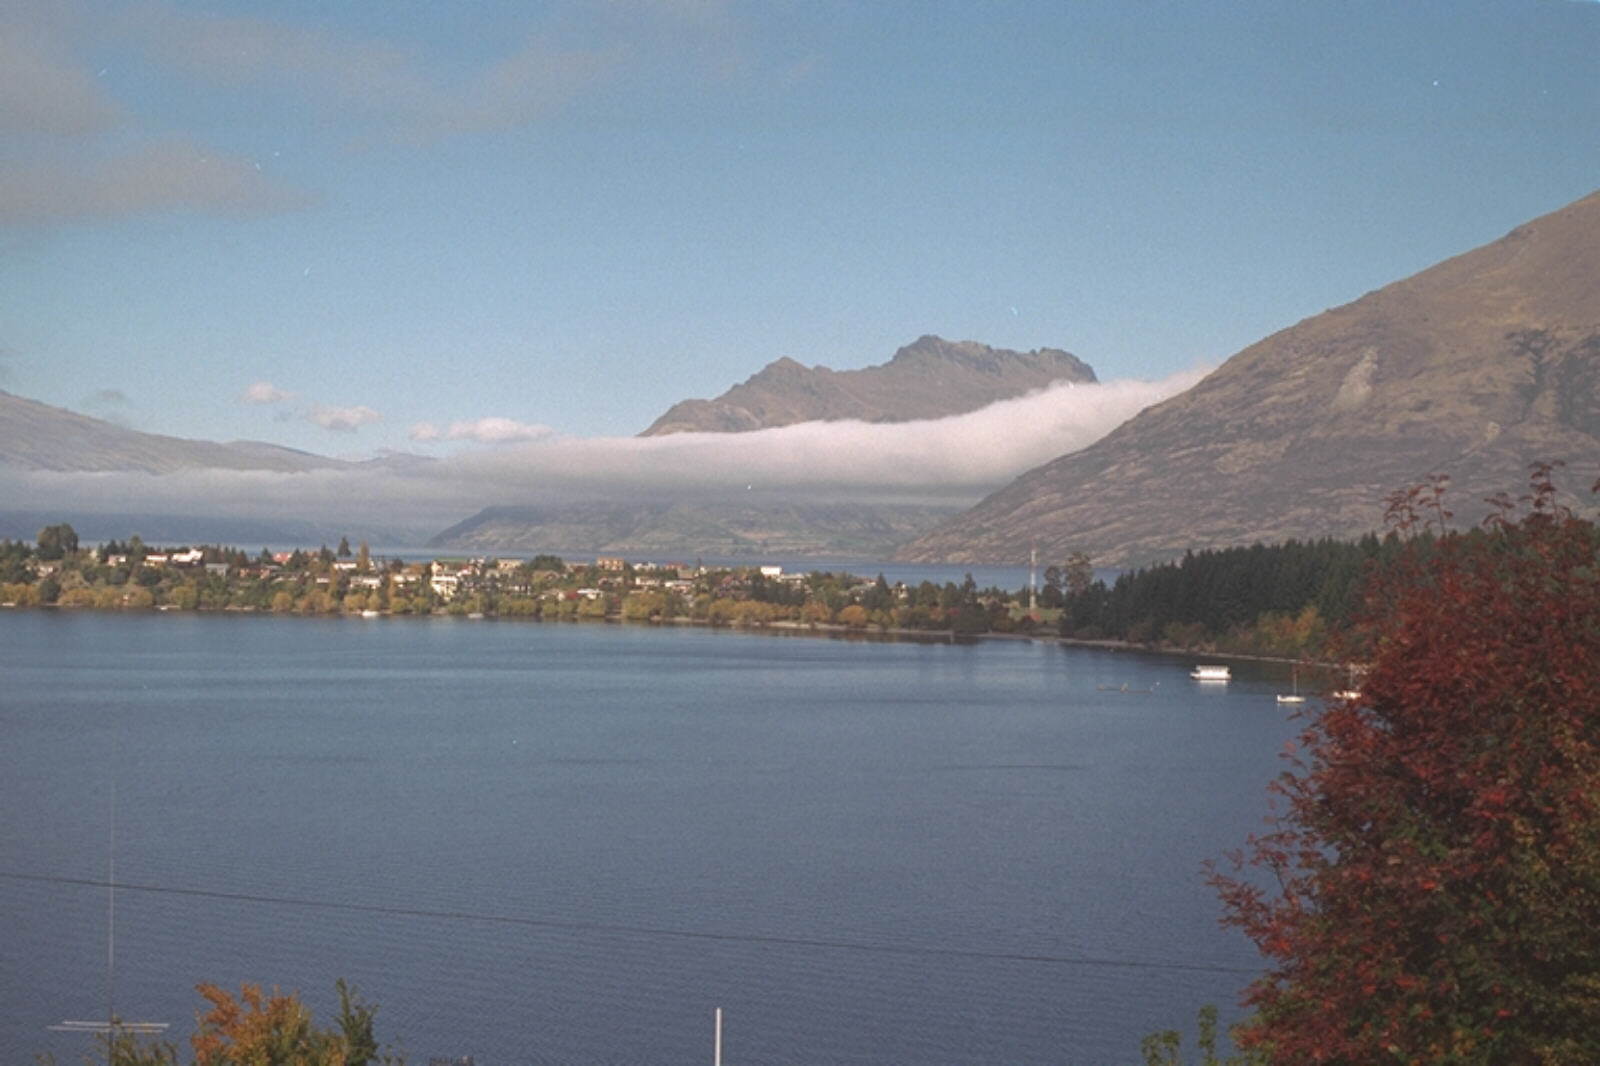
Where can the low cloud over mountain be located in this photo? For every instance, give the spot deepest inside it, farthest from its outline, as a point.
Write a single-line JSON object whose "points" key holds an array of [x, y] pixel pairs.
{"points": [[951, 461]]}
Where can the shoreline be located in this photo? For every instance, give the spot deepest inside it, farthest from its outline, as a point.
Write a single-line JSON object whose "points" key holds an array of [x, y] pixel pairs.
{"points": [[785, 628]]}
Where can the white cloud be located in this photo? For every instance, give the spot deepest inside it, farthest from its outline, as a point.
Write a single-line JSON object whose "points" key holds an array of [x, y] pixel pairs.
{"points": [[402, 92], [952, 460], [265, 392], [969, 453], [74, 153], [394, 90], [40, 93], [343, 419], [491, 430], [247, 49], [170, 174], [536, 80]]}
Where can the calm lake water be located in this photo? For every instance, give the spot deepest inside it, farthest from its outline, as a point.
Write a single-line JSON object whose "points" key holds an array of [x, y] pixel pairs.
{"points": [[548, 843]]}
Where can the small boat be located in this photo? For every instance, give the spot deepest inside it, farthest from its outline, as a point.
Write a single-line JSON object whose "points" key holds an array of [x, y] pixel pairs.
{"points": [[1211, 673], [1292, 697]]}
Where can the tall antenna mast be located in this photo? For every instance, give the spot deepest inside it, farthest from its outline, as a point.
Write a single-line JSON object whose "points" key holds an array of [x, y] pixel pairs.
{"points": [[111, 1025]]}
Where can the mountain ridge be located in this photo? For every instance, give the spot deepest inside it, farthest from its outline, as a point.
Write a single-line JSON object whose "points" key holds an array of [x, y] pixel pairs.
{"points": [[37, 436], [1474, 367], [710, 528], [929, 378]]}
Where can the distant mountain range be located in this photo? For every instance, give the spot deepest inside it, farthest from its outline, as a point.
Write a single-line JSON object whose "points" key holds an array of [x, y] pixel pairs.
{"points": [[725, 529], [929, 378], [1474, 368], [36, 436]]}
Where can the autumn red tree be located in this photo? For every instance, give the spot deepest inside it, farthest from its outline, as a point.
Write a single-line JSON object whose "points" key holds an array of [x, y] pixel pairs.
{"points": [[1429, 889], [253, 1029]]}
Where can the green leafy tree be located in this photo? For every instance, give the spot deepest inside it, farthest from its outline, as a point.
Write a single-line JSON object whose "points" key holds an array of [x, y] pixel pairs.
{"points": [[1164, 1048], [125, 1047], [878, 597], [57, 542], [1078, 573], [1436, 860], [1050, 596], [356, 1026]]}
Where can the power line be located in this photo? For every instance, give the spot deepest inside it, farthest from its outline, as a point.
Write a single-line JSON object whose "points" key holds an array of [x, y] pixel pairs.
{"points": [[636, 930]]}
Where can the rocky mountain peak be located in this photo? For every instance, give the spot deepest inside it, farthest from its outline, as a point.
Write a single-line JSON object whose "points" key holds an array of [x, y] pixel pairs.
{"points": [[929, 378]]}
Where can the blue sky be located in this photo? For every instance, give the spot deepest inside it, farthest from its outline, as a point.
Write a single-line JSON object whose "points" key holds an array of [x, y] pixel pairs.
{"points": [[360, 228]]}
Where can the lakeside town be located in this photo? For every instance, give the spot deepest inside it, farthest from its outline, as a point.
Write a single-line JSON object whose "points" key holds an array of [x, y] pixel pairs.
{"points": [[58, 572], [1293, 601]]}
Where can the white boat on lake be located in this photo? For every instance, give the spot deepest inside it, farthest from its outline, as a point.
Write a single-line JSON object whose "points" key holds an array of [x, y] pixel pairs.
{"points": [[1211, 673]]}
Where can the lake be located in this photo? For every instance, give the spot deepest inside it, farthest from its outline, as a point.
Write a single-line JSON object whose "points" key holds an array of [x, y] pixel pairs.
{"points": [[543, 843]]}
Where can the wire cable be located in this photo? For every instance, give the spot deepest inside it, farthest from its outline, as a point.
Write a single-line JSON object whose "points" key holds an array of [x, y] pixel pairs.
{"points": [[634, 930]]}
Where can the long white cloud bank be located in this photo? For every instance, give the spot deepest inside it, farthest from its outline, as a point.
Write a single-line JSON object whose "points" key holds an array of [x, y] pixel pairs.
{"points": [[950, 460], [958, 455]]}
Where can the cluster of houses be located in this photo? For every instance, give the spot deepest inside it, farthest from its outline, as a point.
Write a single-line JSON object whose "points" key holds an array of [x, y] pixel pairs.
{"points": [[194, 557], [449, 578]]}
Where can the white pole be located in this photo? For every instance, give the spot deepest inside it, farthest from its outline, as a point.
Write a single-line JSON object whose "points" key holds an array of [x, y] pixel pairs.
{"points": [[1033, 576], [716, 1058], [111, 916]]}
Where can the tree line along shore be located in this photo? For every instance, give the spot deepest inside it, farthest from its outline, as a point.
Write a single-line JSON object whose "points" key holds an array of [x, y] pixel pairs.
{"points": [[1289, 600]]}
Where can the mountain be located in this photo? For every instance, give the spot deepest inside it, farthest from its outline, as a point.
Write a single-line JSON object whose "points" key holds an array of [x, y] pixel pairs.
{"points": [[1475, 368], [762, 527], [36, 436], [37, 439], [930, 378]]}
